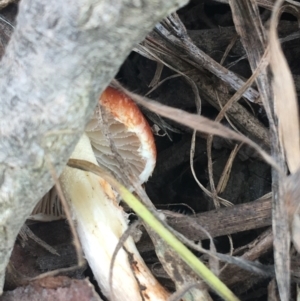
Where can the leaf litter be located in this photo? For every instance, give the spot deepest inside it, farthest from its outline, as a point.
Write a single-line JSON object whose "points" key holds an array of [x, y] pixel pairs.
{"points": [[253, 64]]}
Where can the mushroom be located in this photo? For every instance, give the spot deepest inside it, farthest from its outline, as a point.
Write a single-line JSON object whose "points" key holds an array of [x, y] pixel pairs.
{"points": [[49, 208], [129, 131], [100, 221]]}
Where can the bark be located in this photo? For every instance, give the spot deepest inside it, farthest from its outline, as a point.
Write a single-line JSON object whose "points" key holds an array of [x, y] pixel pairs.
{"points": [[60, 57]]}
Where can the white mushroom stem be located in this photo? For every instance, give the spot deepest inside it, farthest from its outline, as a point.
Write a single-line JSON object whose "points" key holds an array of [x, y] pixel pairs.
{"points": [[100, 223]]}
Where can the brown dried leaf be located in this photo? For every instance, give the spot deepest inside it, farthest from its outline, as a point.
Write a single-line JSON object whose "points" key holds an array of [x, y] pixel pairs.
{"points": [[286, 107], [54, 289], [181, 274]]}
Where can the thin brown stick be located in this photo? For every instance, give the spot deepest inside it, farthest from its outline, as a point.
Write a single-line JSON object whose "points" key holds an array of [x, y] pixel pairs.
{"points": [[224, 221], [68, 214]]}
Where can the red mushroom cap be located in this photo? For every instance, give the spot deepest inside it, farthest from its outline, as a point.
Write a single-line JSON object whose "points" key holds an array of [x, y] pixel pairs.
{"points": [[130, 132]]}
